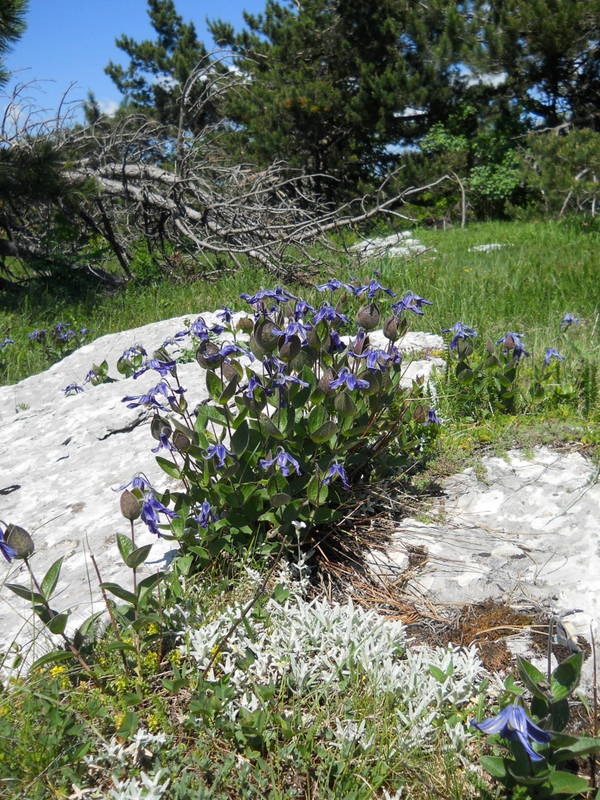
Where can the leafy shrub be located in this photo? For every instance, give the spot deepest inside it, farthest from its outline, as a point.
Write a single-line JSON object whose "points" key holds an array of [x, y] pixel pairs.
{"points": [[297, 417]]}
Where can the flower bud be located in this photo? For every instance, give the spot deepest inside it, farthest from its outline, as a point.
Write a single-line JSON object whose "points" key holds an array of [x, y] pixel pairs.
{"points": [[368, 317], [20, 541], [131, 507]]}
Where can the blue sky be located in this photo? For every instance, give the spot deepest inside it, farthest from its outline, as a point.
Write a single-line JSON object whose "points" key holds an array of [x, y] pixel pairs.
{"points": [[72, 41]]}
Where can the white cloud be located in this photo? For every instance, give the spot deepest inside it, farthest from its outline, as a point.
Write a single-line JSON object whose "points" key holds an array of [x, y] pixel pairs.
{"points": [[108, 107]]}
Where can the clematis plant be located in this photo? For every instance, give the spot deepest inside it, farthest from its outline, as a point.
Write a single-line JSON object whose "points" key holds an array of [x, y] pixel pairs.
{"points": [[538, 750], [302, 408]]}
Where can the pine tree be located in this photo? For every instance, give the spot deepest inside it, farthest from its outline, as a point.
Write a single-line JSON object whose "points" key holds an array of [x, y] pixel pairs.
{"points": [[12, 25], [158, 70], [331, 83], [550, 51]]}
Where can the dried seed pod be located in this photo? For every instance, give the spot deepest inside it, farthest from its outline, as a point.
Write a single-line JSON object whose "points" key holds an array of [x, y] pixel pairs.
{"points": [[290, 349], [229, 372], [131, 507], [368, 317], [325, 381], [263, 333], [245, 324], [160, 427], [390, 329], [181, 442], [208, 349], [20, 541]]}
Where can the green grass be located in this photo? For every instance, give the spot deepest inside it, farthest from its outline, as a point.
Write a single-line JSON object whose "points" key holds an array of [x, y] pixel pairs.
{"points": [[546, 270]]}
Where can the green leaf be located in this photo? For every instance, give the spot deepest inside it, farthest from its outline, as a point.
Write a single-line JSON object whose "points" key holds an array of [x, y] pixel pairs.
{"points": [[240, 439], [267, 428], [316, 491], [51, 579], [229, 391], [316, 418], [214, 385], [565, 677], [88, 623], [125, 545], [567, 783], [58, 623], [138, 556], [280, 499], [578, 746], [495, 765], [533, 678], [167, 466], [55, 657], [437, 673], [325, 432], [27, 594], [119, 592], [128, 726]]}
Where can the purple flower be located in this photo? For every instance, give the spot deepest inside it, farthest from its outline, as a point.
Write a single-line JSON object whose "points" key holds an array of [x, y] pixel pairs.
{"points": [[550, 354], [180, 335], [512, 723], [350, 380], [278, 294], [568, 320], [205, 515], [226, 314], [138, 482], [6, 551], [329, 313], [411, 302], [253, 384], [163, 368], [5, 342], [374, 358], [336, 471], [302, 308], [151, 508], [334, 284], [219, 452], [132, 353], [460, 332], [199, 329], [293, 329], [273, 365], [37, 336], [512, 341], [372, 288], [282, 461], [282, 380], [90, 376], [432, 418], [151, 397], [83, 332], [336, 345], [73, 388], [226, 350]]}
